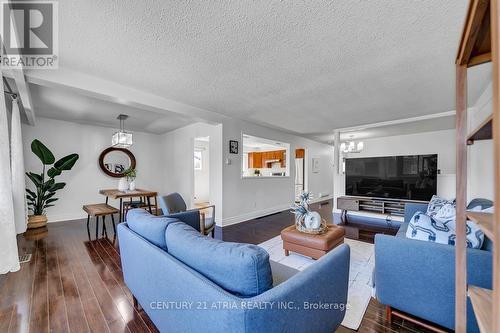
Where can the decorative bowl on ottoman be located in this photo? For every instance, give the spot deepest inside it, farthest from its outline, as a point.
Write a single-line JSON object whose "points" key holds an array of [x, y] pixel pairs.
{"points": [[307, 221]]}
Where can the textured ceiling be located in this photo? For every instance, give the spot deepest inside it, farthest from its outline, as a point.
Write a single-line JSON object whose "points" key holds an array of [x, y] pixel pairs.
{"points": [[307, 66], [412, 127], [70, 106]]}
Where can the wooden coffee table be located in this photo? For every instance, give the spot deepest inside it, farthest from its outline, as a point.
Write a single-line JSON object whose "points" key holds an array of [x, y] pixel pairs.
{"points": [[313, 246]]}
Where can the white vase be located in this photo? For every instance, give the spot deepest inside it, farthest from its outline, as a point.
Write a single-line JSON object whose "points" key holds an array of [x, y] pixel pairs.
{"points": [[122, 184], [312, 220], [131, 185]]}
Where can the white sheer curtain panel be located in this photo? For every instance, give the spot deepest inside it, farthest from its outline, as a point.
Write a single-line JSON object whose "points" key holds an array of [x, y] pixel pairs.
{"points": [[9, 258], [17, 168]]}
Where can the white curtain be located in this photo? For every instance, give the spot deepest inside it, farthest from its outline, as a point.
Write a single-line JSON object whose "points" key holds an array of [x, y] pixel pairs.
{"points": [[17, 167], [9, 258]]}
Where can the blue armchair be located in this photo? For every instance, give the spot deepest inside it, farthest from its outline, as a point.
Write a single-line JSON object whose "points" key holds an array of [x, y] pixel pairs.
{"points": [[418, 277], [173, 204]]}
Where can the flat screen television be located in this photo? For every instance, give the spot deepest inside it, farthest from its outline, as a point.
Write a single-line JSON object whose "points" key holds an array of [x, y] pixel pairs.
{"points": [[412, 177]]}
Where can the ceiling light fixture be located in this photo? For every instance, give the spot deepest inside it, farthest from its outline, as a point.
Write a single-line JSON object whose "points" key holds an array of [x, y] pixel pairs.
{"points": [[122, 139], [351, 147]]}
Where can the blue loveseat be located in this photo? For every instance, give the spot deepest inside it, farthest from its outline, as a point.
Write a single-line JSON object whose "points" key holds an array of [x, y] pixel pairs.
{"points": [[418, 277], [162, 258]]}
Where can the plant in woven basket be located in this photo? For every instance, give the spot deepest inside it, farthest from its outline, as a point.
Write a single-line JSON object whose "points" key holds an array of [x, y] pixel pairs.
{"points": [[42, 197]]}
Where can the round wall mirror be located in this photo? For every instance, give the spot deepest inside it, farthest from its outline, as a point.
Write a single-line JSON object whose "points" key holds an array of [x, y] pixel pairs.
{"points": [[114, 161]]}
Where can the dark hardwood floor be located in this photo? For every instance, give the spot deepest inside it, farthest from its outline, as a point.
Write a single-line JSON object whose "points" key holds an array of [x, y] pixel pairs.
{"points": [[72, 284], [263, 228]]}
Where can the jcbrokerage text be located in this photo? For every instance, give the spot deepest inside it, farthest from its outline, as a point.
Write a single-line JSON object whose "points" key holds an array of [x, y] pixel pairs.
{"points": [[245, 305]]}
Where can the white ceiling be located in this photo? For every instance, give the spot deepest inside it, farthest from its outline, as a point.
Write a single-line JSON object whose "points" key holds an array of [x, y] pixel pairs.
{"points": [[412, 127], [253, 143], [70, 106], [305, 66]]}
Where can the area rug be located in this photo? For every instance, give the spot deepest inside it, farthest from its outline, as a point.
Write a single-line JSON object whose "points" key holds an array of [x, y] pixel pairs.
{"points": [[360, 274]]}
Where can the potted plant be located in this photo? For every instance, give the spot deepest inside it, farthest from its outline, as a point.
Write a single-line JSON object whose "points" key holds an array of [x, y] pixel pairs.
{"points": [[131, 174], [45, 185]]}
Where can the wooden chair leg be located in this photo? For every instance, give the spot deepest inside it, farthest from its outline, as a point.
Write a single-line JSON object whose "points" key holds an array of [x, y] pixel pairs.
{"points": [[388, 313]]}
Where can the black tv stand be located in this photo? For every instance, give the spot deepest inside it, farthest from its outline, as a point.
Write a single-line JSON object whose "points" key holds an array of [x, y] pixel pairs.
{"points": [[383, 206]]}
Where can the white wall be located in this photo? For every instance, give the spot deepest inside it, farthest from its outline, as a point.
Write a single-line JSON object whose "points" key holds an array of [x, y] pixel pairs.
{"points": [[177, 149], [480, 154], [86, 178], [202, 177], [439, 142], [246, 198], [239, 199]]}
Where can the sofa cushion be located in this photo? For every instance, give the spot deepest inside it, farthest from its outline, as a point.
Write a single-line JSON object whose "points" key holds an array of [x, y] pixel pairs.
{"points": [[150, 227], [241, 269]]}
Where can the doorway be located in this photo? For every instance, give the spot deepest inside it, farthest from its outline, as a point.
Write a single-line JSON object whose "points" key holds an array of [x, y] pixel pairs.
{"points": [[300, 179], [201, 160]]}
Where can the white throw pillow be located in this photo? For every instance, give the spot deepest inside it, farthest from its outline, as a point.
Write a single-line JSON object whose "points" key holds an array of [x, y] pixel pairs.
{"points": [[446, 213], [436, 204]]}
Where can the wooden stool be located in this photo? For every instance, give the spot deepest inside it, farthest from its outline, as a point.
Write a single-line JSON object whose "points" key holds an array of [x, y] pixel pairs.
{"points": [[100, 210]]}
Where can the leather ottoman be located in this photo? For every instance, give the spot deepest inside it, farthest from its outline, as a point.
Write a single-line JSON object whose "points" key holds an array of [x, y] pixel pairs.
{"points": [[313, 246]]}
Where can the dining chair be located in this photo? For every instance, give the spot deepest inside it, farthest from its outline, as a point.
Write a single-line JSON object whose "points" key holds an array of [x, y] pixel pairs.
{"points": [[174, 203], [128, 205]]}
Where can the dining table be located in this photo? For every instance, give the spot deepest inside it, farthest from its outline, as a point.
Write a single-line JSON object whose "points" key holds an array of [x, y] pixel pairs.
{"points": [[130, 195]]}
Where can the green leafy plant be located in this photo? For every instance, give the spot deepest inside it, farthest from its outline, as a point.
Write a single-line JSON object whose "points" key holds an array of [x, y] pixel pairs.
{"points": [[45, 184], [130, 173]]}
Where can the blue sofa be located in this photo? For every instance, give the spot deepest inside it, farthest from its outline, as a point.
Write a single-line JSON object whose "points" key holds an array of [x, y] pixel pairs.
{"points": [[159, 256], [418, 277]]}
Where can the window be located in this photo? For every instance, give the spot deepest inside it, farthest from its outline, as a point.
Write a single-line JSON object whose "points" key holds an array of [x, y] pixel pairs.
{"points": [[197, 160], [264, 158]]}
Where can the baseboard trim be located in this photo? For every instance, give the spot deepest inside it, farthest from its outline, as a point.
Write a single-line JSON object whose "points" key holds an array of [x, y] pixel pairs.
{"points": [[252, 215], [65, 217], [263, 212], [225, 221]]}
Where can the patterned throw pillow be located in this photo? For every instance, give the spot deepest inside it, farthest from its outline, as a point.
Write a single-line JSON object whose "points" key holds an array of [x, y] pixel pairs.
{"points": [[436, 204], [427, 228], [475, 237]]}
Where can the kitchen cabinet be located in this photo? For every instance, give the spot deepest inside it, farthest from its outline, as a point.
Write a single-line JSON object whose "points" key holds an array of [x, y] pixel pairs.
{"points": [[257, 160]]}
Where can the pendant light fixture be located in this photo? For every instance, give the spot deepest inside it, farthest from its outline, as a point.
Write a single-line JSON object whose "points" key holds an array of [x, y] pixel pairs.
{"points": [[122, 139], [351, 147]]}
